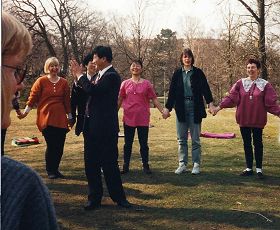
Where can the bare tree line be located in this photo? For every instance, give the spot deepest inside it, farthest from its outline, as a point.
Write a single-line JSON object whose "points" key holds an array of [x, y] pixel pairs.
{"points": [[69, 29]]}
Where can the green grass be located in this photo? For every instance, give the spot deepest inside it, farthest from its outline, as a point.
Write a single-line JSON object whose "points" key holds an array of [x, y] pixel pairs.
{"points": [[166, 200]]}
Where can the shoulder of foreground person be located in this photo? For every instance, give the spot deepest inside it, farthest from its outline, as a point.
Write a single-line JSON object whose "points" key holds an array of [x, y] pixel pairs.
{"points": [[25, 199]]}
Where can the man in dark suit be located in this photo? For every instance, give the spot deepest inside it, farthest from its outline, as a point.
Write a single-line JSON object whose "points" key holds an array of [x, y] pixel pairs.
{"points": [[79, 97], [101, 129]]}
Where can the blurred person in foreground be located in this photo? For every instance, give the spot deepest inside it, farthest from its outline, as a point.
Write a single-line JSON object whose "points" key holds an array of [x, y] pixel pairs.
{"points": [[51, 94], [188, 90], [135, 96], [253, 97], [101, 129], [25, 200]]}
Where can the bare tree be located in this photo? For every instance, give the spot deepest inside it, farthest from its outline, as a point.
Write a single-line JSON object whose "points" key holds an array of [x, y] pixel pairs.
{"points": [[259, 17]]}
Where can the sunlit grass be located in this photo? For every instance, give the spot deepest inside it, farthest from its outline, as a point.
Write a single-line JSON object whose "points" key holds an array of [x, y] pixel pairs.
{"points": [[166, 200]]}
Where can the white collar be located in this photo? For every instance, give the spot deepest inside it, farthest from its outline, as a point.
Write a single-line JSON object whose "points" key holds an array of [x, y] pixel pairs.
{"points": [[101, 72], [260, 84], [89, 77]]}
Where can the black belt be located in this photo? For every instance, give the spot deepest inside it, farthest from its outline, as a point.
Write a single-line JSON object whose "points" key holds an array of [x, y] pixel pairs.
{"points": [[189, 98]]}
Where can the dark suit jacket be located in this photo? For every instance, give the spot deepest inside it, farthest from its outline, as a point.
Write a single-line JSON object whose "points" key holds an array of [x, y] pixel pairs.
{"points": [[200, 89], [103, 119], [78, 105]]}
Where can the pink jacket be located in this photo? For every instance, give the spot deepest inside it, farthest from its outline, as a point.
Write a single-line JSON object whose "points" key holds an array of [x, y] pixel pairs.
{"points": [[253, 100]]}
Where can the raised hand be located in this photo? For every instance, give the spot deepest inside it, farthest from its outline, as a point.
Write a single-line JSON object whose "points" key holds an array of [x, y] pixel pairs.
{"points": [[75, 68]]}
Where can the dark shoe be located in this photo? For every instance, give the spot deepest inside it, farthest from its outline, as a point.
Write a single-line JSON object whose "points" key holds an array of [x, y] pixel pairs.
{"points": [[247, 173], [125, 169], [52, 176], [90, 205], [124, 204], [146, 169], [59, 175], [260, 175]]}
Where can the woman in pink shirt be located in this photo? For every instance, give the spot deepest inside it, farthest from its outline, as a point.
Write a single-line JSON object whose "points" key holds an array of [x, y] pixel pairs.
{"points": [[135, 95], [254, 97]]}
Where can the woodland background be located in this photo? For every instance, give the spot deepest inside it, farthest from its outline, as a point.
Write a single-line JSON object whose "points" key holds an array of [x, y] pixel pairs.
{"points": [[70, 29]]}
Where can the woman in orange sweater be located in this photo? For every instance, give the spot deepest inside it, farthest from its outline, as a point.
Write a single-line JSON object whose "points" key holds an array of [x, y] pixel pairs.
{"points": [[51, 94]]}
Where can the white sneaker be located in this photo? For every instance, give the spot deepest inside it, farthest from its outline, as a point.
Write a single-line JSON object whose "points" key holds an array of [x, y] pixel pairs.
{"points": [[181, 169], [195, 169]]}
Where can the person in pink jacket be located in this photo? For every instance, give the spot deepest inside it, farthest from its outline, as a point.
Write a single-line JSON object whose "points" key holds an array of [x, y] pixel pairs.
{"points": [[253, 97]]}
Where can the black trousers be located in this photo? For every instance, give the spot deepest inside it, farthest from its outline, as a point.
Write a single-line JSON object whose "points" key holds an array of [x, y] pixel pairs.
{"points": [[247, 134], [3, 136], [102, 152], [129, 132], [55, 139]]}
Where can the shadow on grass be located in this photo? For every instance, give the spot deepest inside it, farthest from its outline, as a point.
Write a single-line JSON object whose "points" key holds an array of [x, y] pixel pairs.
{"points": [[189, 180], [111, 216]]}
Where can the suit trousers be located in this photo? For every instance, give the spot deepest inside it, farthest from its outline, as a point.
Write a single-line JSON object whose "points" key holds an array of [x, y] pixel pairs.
{"points": [[102, 153], [55, 139]]}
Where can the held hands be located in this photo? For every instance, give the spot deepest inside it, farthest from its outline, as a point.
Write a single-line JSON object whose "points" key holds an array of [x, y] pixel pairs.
{"points": [[165, 113], [21, 115], [71, 122], [214, 109]]}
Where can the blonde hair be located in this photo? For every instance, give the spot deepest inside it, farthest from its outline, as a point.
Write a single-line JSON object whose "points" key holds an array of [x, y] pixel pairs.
{"points": [[16, 41], [50, 61]]}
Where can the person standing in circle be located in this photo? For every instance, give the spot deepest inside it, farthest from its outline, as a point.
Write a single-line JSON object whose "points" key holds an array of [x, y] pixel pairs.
{"points": [[253, 98], [135, 96], [188, 90], [51, 94]]}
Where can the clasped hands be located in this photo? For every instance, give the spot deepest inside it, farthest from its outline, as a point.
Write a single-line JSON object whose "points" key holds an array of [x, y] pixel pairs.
{"points": [[214, 109], [165, 113]]}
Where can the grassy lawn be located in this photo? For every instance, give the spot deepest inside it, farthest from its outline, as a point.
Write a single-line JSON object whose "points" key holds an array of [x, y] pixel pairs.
{"points": [[215, 199]]}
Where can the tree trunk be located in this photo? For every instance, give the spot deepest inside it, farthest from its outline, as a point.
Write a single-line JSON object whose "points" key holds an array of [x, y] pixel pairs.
{"points": [[261, 28]]}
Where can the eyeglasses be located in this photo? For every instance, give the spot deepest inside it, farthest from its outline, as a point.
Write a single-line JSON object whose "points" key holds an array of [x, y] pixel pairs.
{"points": [[20, 73]]}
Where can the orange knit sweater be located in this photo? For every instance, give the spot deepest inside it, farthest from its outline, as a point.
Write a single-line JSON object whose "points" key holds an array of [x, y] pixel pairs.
{"points": [[53, 102]]}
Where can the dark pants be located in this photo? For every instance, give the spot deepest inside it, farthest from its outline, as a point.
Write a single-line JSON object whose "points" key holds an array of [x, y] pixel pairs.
{"points": [[246, 133], [102, 152], [55, 139], [129, 133], [3, 136]]}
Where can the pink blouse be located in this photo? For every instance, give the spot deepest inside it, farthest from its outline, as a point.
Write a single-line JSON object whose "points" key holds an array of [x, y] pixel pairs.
{"points": [[136, 102]]}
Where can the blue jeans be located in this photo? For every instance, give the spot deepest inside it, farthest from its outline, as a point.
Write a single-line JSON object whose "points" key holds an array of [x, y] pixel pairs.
{"points": [[182, 136]]}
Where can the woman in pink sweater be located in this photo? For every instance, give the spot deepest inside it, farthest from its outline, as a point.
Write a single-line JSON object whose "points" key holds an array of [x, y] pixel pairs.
{"points": [[253, 97]]}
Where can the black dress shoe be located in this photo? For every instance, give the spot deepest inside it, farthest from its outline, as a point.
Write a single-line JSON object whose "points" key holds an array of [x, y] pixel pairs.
{"points": [[146, 169], [247, 173], [91, 205], [59, 175], [52, 176], [124, 204]]}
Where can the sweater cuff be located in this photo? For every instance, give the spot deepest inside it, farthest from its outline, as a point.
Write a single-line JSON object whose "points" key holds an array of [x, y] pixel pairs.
{"points": [[27, 109]]}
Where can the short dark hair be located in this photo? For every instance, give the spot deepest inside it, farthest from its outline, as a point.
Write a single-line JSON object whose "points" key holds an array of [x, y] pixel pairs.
{"points": [[103, 51], [253, 60], [137, 61], [87, 59], [188, 52]]}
